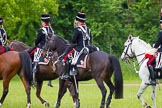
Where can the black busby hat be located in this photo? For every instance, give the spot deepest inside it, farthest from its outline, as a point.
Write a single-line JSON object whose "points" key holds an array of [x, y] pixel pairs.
{"points": [[81, 17], [1, 20], [45, 17]]}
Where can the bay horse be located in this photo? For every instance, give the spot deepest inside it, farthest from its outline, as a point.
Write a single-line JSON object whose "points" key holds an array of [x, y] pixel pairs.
{"points": [[44, 72], [11, 64], [100, 66], [136, 48]]}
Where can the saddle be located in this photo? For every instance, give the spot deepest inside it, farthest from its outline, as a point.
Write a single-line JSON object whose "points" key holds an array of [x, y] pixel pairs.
{"points": [[79, 58]]}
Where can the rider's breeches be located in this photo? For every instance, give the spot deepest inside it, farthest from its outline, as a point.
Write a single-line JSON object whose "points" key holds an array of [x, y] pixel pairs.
{"points": [[151, 61]]}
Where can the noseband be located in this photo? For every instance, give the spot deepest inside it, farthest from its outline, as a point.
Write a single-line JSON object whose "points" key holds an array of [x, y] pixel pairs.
{"points": [[126, 55]]}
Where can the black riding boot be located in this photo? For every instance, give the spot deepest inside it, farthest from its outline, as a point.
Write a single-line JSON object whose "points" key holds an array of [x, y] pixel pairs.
{"points": [[66, 75], [35, 67], [152, 75]]}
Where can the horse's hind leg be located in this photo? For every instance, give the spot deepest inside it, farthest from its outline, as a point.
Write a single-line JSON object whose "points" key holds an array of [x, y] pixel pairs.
{"points": [[153, 96], [5, 91], [103, 91], [111, 88], [140, 92], [27, 89], [38, 92]]}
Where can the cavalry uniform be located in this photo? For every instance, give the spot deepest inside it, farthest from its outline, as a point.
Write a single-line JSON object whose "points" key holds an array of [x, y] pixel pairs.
{"points": [[3, 35], [80, 39], [43, 32], [151, 55]]}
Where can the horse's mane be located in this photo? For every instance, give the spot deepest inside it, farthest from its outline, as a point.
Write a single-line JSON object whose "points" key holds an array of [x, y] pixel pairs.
{"points": [[18, 43], [144, 43], [65, 41]]}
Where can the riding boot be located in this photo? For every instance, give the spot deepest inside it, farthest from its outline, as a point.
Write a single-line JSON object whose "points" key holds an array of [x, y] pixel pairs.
{"points": [[66, 75], [152, 75], [35, 67]]}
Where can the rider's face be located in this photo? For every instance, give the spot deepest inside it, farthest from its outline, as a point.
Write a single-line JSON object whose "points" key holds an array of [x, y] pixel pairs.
{"points": [[161, 25]]}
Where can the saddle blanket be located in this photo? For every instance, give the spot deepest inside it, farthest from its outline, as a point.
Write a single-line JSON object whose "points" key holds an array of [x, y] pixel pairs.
{"points": [[81, 62], [4, 49]]}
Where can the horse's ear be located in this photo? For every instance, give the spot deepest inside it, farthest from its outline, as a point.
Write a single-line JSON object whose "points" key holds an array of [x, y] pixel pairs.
{"points": [[130, 36]]}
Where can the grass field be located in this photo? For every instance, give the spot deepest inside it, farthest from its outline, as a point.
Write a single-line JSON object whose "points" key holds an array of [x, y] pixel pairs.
{"points": [[90, 96]]}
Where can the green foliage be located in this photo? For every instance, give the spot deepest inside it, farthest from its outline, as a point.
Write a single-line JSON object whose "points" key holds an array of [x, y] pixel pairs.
{"points": [[22, 17], [110, 21]]}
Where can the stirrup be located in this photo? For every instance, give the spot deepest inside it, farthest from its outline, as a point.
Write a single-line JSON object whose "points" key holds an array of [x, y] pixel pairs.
{"points": [[153, 83], [65, 77]]}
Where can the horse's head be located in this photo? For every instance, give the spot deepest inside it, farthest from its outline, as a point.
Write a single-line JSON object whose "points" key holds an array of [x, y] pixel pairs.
{"points": [[55, 43], [128, 52], [50, 43]]}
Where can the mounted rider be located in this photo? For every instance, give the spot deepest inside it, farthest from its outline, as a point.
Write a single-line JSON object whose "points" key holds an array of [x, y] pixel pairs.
{"points": [[44, 31], [3, 35], [152, 55], [80, 39]]}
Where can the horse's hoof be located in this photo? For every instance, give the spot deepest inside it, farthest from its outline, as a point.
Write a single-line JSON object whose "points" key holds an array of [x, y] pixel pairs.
{"points": [[148, 106], [28, 105], [57, 105], [102, 106], [77, 104], [107, 107], [46, 104], [0, 104]]}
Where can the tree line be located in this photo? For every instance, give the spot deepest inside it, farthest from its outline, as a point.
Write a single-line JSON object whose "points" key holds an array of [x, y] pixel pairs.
{"points": [[110, 21]]}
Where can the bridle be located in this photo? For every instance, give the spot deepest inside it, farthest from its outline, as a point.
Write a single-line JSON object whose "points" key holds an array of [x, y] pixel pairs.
{"points": [[127, 56], [126, 52]]}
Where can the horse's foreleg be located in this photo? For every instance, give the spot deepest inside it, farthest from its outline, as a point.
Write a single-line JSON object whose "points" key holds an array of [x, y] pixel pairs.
{"points": [[73, 93], [142, 88], [153, 96], [111, 87], [76, 91], [103, 91], [60, 93], [38, 92], [5, 91]]}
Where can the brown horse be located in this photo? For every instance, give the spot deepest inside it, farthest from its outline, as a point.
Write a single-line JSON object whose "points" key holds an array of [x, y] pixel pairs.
{"points": [[44, 72], [100, 66], [12, 63]]}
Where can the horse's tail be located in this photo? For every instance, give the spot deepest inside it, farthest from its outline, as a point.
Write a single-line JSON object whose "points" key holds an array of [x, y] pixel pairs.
{"points": [[118, 77], [27, 65]]}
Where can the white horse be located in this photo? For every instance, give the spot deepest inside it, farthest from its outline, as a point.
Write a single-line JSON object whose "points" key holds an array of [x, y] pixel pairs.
{"points": [[135, 47]]}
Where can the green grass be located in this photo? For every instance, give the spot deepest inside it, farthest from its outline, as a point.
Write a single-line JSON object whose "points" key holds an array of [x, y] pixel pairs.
{"points": [[90, 95]]}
